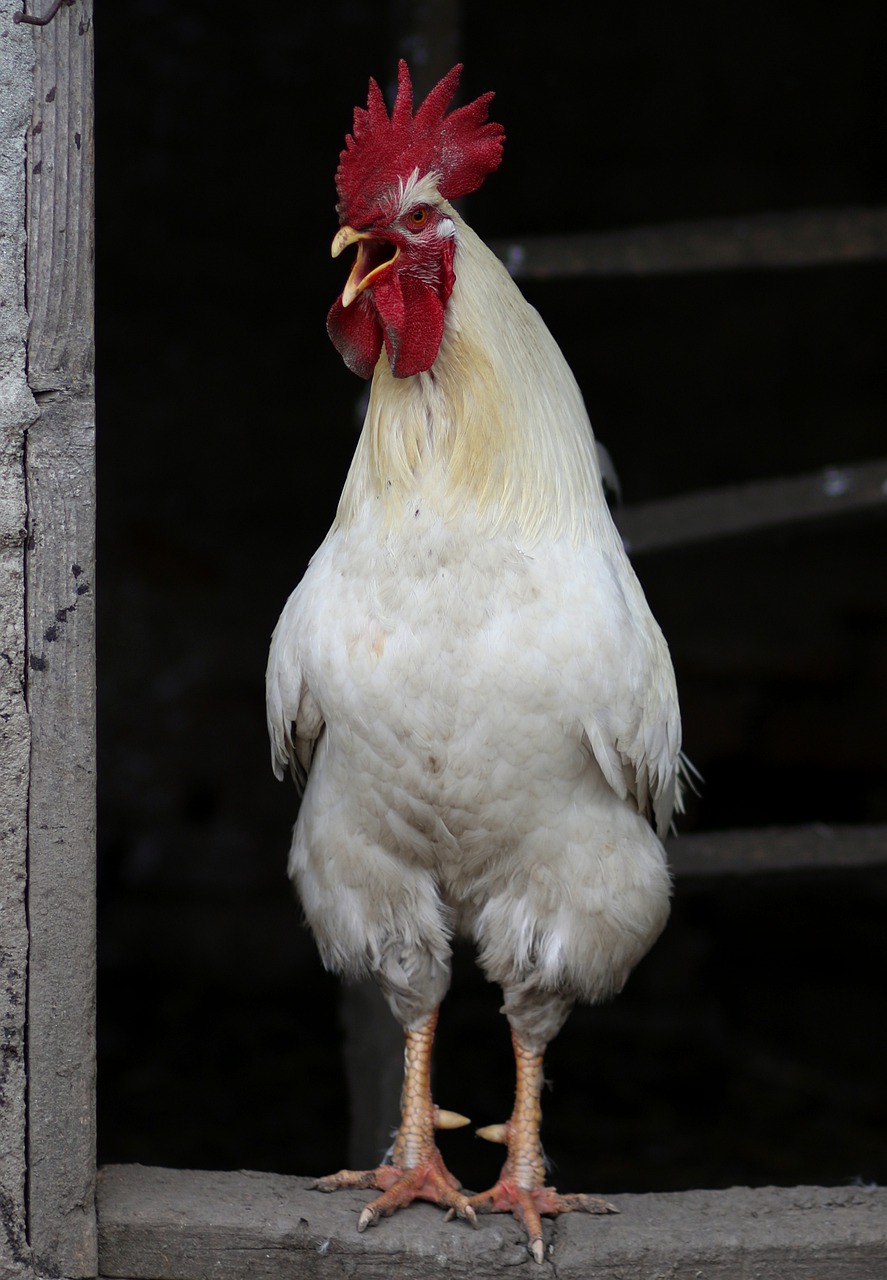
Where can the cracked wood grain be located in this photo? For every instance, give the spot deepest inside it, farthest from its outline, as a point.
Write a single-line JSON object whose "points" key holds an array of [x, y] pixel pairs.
{"points": [[59, 468], [162, 1224]]}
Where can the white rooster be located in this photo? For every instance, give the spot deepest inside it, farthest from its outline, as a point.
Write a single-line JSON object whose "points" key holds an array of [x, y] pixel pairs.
{"points": [[468, 684]]}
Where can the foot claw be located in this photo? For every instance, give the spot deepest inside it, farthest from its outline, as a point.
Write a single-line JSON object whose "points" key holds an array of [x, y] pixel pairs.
{"points": [[494, 1133], [537, 1249], [460, 1207], [463, 1211], [449, 1119], [366, 1219]]}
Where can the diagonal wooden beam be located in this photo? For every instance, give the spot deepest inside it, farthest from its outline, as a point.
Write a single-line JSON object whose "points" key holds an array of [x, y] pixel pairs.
{"points": [[811, 846], [802, 238], [747, 508]]}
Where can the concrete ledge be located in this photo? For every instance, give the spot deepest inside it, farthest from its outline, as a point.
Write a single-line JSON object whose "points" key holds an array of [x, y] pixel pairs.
{"points": [[167, 1224]]}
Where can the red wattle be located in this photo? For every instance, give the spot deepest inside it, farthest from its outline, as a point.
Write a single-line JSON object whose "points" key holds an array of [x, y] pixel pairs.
{"points": [[412, 317], [402, 309], [355, 333]]}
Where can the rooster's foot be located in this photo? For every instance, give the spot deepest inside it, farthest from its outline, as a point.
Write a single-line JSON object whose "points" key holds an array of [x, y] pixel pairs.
{"points": [[417, 1170], [429, 1180], [529, 1205], [520, 1189]]}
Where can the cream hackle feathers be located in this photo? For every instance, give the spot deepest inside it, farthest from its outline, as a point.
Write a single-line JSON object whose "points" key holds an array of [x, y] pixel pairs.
{"points": [[463, 416]]}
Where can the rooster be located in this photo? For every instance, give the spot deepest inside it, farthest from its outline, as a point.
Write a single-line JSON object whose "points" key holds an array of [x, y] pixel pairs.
{"points": [[468, 685]]}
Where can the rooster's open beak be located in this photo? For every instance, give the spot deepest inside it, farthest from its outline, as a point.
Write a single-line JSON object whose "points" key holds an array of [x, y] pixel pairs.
{"points": [[370, 262]]}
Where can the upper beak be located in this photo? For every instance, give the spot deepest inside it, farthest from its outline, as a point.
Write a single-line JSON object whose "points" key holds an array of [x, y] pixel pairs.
{"points": [[367, 266]]}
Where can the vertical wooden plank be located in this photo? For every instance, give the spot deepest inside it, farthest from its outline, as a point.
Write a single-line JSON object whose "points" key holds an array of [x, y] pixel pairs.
{"points": [[60, 479], [17, 412]]}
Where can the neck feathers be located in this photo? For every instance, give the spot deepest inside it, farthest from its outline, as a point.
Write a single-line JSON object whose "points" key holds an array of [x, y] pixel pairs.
{"points": [[497, 425]]}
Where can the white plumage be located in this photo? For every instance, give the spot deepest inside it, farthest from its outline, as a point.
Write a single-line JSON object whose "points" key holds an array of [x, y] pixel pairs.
{"points": [[471, 688], [471, 671]]}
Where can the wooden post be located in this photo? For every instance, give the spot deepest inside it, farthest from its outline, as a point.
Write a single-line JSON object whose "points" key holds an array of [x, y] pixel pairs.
{"points": [[60, 477], [17, 412]]}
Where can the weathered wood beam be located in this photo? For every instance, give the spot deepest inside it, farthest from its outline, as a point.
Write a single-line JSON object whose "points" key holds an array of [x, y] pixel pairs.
{"points": [[799, 848], [803, 238], [748, 508], [163, 1224], [17, 413], [59, 466]]}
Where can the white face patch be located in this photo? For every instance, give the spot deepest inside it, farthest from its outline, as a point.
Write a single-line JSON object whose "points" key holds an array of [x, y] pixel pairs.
{"points": [[446, 229]]}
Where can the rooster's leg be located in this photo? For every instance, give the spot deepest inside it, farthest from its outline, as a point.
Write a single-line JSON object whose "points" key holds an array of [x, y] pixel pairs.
{"points": [[521, 1188], [417, 1170]]}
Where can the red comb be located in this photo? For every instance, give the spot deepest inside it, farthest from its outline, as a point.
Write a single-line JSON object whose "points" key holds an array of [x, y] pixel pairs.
{"points": [[461, 148]]}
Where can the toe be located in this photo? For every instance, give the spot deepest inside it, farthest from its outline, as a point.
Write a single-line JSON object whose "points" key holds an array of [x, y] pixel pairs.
{"points": [[577, 1203], [528, 1216], [346, 1178]]}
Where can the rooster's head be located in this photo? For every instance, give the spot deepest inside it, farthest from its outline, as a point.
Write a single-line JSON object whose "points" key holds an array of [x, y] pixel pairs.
{"points": [[395, 178]]}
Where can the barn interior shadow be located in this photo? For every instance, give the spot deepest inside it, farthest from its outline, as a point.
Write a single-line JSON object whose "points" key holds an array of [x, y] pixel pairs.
{"points": [[748, 1046]]}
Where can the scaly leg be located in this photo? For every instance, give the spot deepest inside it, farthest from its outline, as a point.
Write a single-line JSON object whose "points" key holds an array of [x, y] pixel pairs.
{"points": [[417, 1170], [521, 1188]]}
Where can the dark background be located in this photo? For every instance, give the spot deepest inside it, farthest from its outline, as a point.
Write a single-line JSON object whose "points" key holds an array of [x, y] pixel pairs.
{"points": [[749, 1046]]}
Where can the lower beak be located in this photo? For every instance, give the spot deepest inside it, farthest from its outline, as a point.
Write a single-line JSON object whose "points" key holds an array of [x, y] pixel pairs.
{"points": [[367, 266]]}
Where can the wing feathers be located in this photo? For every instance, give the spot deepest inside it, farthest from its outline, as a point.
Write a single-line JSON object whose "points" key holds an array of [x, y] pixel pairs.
{"points": [[636, 740], [295, 721]]}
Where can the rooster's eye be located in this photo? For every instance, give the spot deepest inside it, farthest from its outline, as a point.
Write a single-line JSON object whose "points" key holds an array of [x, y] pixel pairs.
{"points": [[419, 217]]}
